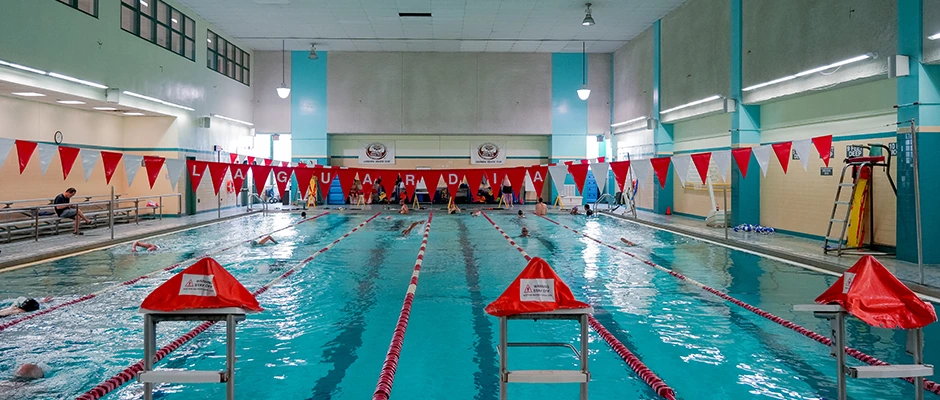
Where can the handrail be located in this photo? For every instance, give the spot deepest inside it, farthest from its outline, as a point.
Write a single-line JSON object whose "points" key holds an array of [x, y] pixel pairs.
{"points": [[8, 204], [603, 196]]}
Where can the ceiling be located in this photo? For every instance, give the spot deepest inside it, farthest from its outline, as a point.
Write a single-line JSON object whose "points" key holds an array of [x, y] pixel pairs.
{"points": [[456, 25], [52, 97]]}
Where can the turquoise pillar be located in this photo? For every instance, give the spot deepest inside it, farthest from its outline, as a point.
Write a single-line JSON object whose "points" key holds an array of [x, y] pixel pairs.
{"points": [[308, 107], [663, 138], [922, 86], [745, 132], [569, 112]]}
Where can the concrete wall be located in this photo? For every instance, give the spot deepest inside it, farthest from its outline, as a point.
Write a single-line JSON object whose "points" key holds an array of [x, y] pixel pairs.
{"points": [[271, 113], [599, 103], [633, 78], [696, 52], [440, 151]]}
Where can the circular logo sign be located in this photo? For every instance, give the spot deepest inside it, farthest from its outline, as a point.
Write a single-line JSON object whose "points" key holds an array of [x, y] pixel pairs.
{"points": [[376, 151], [488, 151]]}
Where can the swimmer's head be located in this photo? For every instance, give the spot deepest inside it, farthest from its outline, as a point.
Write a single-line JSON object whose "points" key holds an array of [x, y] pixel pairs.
{"points": [[525, 231], [402, 202], [540, 200], [303, 214], [29, 371], [27, 305], [520, 213]]}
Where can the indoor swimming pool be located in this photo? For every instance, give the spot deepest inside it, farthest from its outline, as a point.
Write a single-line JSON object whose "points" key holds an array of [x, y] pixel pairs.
{"points": [[326, 329]]}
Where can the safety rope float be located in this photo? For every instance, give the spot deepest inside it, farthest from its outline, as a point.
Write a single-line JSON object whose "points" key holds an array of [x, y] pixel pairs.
{"points": [[131, 372], [857, 354], [383, 389], [649, 377], [142, 277]]}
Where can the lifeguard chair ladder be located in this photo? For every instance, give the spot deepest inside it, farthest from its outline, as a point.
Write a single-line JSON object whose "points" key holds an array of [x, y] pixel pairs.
{"points": [[581, 376], [858, 164], [231, 316]]}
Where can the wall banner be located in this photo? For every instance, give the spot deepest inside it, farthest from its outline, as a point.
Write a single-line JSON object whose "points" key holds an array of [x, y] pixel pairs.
{"points": [[487, 152], [377, 153]]}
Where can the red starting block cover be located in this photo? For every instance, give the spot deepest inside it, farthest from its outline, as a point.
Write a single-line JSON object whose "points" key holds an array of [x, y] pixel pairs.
{"points": [[203, 285], [537, 289], [871, 293]]}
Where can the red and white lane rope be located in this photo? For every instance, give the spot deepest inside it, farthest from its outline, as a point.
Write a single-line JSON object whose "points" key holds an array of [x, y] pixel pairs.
{"points": [[857, 354], [131, 372], [142, 277], [387, 377], [654, 381]]}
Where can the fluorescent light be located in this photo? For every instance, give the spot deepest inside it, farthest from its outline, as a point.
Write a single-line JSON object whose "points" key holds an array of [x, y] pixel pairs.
{"points": [[28, 94], [144, 3], [231, 119], [22, 67], [935, 36], [862, 57], [694, 103], [105, 108], [156, 100], [73, 102], [76, 80], [133, 114], [637, 119]]}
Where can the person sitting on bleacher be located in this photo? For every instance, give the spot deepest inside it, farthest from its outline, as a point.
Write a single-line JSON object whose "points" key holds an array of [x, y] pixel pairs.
{"points": [[70, 212]]}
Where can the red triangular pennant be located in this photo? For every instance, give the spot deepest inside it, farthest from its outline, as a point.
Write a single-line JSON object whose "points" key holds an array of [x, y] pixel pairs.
{"points": [[782, 150], [217, 172], [701, 161], [203, 285], [579, 174], [661, 167], [516, 179], [823, 145], [233, 157], [268, 161], [281, 177], [389, 178], [239, 175], [410, 179], [153, 165], [621, 170], [474, 181], [494, 177], [260, 174], [24, 151], [285, 163], [67, 155], [367, 178], [303, 175], [347, 177], [431, 179], [251, 160], [537, 289], [196, 170], [742, 157], [537, 174]]}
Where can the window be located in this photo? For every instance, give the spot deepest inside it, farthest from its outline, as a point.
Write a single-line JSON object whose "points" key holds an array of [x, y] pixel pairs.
{"points": [[227, 59], [89, 7], [159, 23]]}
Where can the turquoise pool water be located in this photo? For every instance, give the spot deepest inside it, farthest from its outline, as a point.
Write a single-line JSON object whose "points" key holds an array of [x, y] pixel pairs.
{"points": [[326, 329]]}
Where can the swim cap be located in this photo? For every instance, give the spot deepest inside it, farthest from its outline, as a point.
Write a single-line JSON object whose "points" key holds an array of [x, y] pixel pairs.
{"points": [[28, 305]]}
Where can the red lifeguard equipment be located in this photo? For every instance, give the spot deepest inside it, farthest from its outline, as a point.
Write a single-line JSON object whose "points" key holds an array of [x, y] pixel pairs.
{"points": [[537, 289], [203, 291]]}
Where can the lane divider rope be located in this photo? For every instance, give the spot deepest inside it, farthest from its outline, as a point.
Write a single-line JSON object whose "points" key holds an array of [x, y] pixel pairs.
{"points": [[383, 389], [131, 372], [142, 277], [857, 354], [649, 377]]}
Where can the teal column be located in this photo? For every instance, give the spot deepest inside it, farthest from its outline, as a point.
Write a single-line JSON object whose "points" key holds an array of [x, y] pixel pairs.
{"points": [[918, 100], [308, 107], [745, 132], [663, 138], [569, 112]]}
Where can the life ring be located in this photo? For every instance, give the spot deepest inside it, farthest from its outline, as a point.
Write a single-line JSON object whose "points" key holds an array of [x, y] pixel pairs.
{"points": [[230, 186]]}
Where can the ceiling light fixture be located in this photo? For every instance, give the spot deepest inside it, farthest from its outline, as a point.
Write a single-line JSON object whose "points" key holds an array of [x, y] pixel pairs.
{"points": [[156, 100], [22, 67], [627, 122], [238, 121], [313, 52], [694, 103], [862, 57], [70, 102], [133, 114], [283, 91], [76, 80], [584, 92], [935, 36], [105, 108], [588, 19], [28, 94]]}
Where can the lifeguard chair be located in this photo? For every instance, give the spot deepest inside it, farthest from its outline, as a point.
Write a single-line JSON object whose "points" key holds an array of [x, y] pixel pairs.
{"points": [[202, 292], [851, 227]]}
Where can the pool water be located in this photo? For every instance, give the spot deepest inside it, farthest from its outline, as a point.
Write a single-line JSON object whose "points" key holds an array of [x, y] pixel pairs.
{"points": [[325, 330]]}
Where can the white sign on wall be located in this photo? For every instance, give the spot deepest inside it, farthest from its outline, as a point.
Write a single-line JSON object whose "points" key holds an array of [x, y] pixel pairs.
{"points": [[487, 152], [372, 153]]}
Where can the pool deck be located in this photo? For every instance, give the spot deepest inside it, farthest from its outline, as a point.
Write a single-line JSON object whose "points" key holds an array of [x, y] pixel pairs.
{"points": [[788, 247], [25, 252]]}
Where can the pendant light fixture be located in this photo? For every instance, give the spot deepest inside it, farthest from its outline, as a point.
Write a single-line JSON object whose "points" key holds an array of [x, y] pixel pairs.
{"points": [[588, 19], [283, 91], [584, 92]]}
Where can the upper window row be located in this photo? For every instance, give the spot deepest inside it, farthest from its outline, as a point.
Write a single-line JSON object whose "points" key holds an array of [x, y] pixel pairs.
{"points": [[228, 59], [89, 7], [161, 24]]}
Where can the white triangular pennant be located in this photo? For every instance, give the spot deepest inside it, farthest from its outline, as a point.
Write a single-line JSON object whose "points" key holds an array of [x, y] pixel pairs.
{"points": [[803, 149], [762, 154], [722, 160], [5, 146], [89, 159], [558, 174], [681, 165], [131, 166], [641, 169], [600, 175], [46, 153], [174, 169]]}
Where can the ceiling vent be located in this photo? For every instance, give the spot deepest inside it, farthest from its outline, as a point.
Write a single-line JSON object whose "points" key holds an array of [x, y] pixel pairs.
{"points": [[414, 15]]}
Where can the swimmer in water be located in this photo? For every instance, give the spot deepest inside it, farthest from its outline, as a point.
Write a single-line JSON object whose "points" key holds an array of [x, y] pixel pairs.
{"points": [[303, 214], [264, 240], [541, 208], [404, 207], [627, 242], [476, 213], [521, 215], [21, 305], [148, 246], [453, 209], [574, 210], [525, 232], [587, 210], [413, 225], [29, 372]]}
